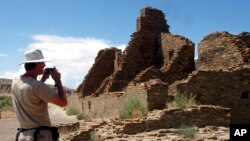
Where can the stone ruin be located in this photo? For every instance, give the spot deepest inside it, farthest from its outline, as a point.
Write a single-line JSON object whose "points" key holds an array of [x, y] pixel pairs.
{"points": [[156, 64], [222, 75], [152, 49]]}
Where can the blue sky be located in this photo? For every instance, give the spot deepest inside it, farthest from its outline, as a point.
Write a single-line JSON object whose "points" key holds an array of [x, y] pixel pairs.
{"points": [[83, 27]]}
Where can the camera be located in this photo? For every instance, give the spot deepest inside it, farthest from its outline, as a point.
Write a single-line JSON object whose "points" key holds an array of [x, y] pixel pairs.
{"points": [[48, 71]]}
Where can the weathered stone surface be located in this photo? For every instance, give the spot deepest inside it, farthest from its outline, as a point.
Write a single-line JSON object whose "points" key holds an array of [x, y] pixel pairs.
{"points": [[153, 94], [157, 95], [139, 55], [160, 125], [151, 19], [103, 67], [200, 116], [222, 50], [141, 52], [147, 74], [152, 53], [178, 57], [222, 88], [156, 64], [67, 128]]}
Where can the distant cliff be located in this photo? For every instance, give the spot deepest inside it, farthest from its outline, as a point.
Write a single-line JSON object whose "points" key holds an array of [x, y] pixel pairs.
{"points": [[5, 85]]}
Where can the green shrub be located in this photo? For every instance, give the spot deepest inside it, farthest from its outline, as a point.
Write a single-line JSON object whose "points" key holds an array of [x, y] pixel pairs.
{"points": [[72, 111], [187, 131], [81, 116], [182, 100], [6, 103], [132, 107], [94, 136]]}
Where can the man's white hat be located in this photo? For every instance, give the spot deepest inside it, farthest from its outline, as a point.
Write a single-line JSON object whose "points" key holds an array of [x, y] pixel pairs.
{"points": [[34, 56]]}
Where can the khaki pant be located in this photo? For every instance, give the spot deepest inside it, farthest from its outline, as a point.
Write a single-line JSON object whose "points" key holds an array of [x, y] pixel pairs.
{"points": [[28, 135]]}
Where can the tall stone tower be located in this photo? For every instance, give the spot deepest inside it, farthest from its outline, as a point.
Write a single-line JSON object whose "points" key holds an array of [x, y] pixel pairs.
{"points": [[152, 20]]}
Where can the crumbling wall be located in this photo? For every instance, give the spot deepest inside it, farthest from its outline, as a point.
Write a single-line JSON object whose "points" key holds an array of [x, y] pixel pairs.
{"points": [[178, 57], [221, 78], [153, 94], [147, 74], [103, 67], [151, 19], [223, 75], [169, 57], [200, 116], [141, 52], [222, 50], [157, 94], [220, 88], [138, 56]]}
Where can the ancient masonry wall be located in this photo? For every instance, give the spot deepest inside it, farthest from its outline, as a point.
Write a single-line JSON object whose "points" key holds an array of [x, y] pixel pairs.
{"points": [[104, 66], [155, 59], [152, 94], [223, 51], [160, 124], [178, 57], [227, 89], [200, 116]]}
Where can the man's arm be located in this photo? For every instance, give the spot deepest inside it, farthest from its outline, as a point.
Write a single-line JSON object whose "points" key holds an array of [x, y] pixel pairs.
{"points": [[60, 98]]}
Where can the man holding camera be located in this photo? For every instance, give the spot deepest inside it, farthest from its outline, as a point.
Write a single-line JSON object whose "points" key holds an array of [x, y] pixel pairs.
{"points": [[31, 97]]}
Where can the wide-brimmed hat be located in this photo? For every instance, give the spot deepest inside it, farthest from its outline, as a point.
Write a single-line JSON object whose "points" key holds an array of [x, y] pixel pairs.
{"points": [[34, 56]]}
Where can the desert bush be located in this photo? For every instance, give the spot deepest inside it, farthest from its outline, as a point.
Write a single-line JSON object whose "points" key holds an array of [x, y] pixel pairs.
{"points": [[94, 136], [132, 107], [81, 116], [72, 111], [6, 103], [187, 131], [182, 100]]}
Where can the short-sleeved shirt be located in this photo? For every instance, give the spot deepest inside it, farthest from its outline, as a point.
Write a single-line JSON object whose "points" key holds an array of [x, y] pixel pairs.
{"points": [[30, 100]]}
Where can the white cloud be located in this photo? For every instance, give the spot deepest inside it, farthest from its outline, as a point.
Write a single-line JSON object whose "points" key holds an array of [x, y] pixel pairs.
{"points": [[3, 55], [11, 75], [73, 57]]}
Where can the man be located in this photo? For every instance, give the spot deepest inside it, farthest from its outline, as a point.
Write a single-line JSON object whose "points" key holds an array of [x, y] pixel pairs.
{"points": [[30, 99]]}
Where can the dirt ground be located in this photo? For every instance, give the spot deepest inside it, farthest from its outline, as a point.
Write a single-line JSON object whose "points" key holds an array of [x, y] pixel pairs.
{"points": [[7, 114]]}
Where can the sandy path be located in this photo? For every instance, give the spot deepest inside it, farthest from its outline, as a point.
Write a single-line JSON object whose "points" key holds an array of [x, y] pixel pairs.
{"points": [[8, 126]]}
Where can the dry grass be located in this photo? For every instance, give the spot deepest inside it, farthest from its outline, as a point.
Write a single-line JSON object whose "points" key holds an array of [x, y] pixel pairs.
{"points": [[182, 100], [132, 107], [187, 131]]}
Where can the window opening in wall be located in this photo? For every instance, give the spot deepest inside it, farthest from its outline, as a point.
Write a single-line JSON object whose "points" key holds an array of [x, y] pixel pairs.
{"points": [[245, 94], [171, 53]]}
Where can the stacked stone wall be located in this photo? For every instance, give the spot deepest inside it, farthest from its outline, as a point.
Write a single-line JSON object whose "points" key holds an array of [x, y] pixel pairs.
{"points": [[220, 88], [75, 101], [178, 57], [104, 66], [200, 116], [152, 20], [223, 51], [153, 94]]}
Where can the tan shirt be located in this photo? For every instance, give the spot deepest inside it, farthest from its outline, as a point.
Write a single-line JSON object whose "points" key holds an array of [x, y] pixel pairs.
{"points": [[30, 100]]}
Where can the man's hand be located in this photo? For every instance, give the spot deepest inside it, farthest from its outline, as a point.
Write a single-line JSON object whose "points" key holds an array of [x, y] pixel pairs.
{"points": [[56, 76], [44, 77], [60, 99]]}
